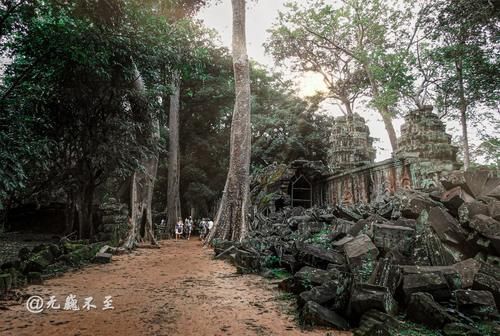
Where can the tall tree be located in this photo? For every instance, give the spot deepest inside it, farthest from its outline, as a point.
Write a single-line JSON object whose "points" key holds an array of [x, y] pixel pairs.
{"points": [[342, 41], [232, 218], [464, 57]]}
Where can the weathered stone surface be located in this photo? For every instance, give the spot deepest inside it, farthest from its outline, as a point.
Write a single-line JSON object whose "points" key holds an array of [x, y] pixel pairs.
{"points": [[333, 294], [316, 315], [308, 277], [407, 222], [467, 269], [454, 179], [423, 135], [246, 262], [412, 204], [488, 282], [341, 242], [432, 283], [423, 309], [318, 256], [454, 198], [447, 228], [365, 225], [485, 225], [494, 209], [103, 258], [386, 274], [354, 146], [361, 255], [452, 276], [295, 221], [360, 248], [389, 237], [480, 182], [374, 322], [460, 329], [468, 210], [475, 302], [348, 213], [365, 297]]}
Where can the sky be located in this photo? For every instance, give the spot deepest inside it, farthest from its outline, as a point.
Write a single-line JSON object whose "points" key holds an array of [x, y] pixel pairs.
{"points": [[260, 17]]}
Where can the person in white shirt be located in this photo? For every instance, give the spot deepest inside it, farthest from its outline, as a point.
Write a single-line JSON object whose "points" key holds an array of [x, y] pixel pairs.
{"points": [[210, 226]]}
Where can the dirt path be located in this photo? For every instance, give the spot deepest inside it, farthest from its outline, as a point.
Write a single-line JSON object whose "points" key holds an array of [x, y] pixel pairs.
{"points": [[176, 290]]}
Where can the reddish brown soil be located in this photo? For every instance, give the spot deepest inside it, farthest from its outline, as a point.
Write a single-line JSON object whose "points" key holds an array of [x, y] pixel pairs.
{"points": [[176, 290]]}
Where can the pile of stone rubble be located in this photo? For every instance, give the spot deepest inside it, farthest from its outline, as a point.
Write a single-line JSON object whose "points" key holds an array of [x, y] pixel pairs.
{"points": [[430, 257]]}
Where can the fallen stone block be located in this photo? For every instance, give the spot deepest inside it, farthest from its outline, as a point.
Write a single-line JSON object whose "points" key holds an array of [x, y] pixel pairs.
{"points": [[467, 269], [453, 277], [246, 262], [407, 222], [487, 282], [365, 225], [481, 182], [413, 203], [374, 322], [333, 294], [361, 255], [460, 329], [386, 274], [494, 209], [348, 214], [295, 221], [365, 297], [454, 179], [468, 210], [475, 302], [389, 237], [314, 314], [309, 277], [360, 248], [432, 283], [105, 249], [103, 258], [318, 256], [341, 242], [423, 309], [454, 198], [446, 227], [485, 225]]}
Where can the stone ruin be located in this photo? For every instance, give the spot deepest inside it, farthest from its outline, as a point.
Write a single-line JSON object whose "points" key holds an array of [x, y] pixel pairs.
{"points": [[410, 238], [353, 146], [423, 135]]}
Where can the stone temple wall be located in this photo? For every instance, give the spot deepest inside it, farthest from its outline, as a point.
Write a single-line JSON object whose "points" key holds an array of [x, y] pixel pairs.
{"points": [[352, 144], [425, 153]]}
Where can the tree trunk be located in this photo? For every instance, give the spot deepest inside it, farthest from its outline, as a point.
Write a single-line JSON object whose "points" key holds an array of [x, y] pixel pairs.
{"points": [[84, 204], [232, 218], [463, 113], [384, 111], [142, 183], [173, 198], [69, 214]]}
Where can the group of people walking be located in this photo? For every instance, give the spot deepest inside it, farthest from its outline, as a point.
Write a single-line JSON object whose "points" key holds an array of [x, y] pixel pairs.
{"points": [[183, 229]]}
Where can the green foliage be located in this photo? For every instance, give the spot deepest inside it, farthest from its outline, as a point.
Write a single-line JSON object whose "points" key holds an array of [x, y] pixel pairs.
{"points": [[411, 329], [354, 45], [271, 261]]}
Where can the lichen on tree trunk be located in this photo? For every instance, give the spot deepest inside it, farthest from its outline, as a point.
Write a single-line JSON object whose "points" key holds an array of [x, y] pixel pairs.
{"points": [[231, 222]]}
